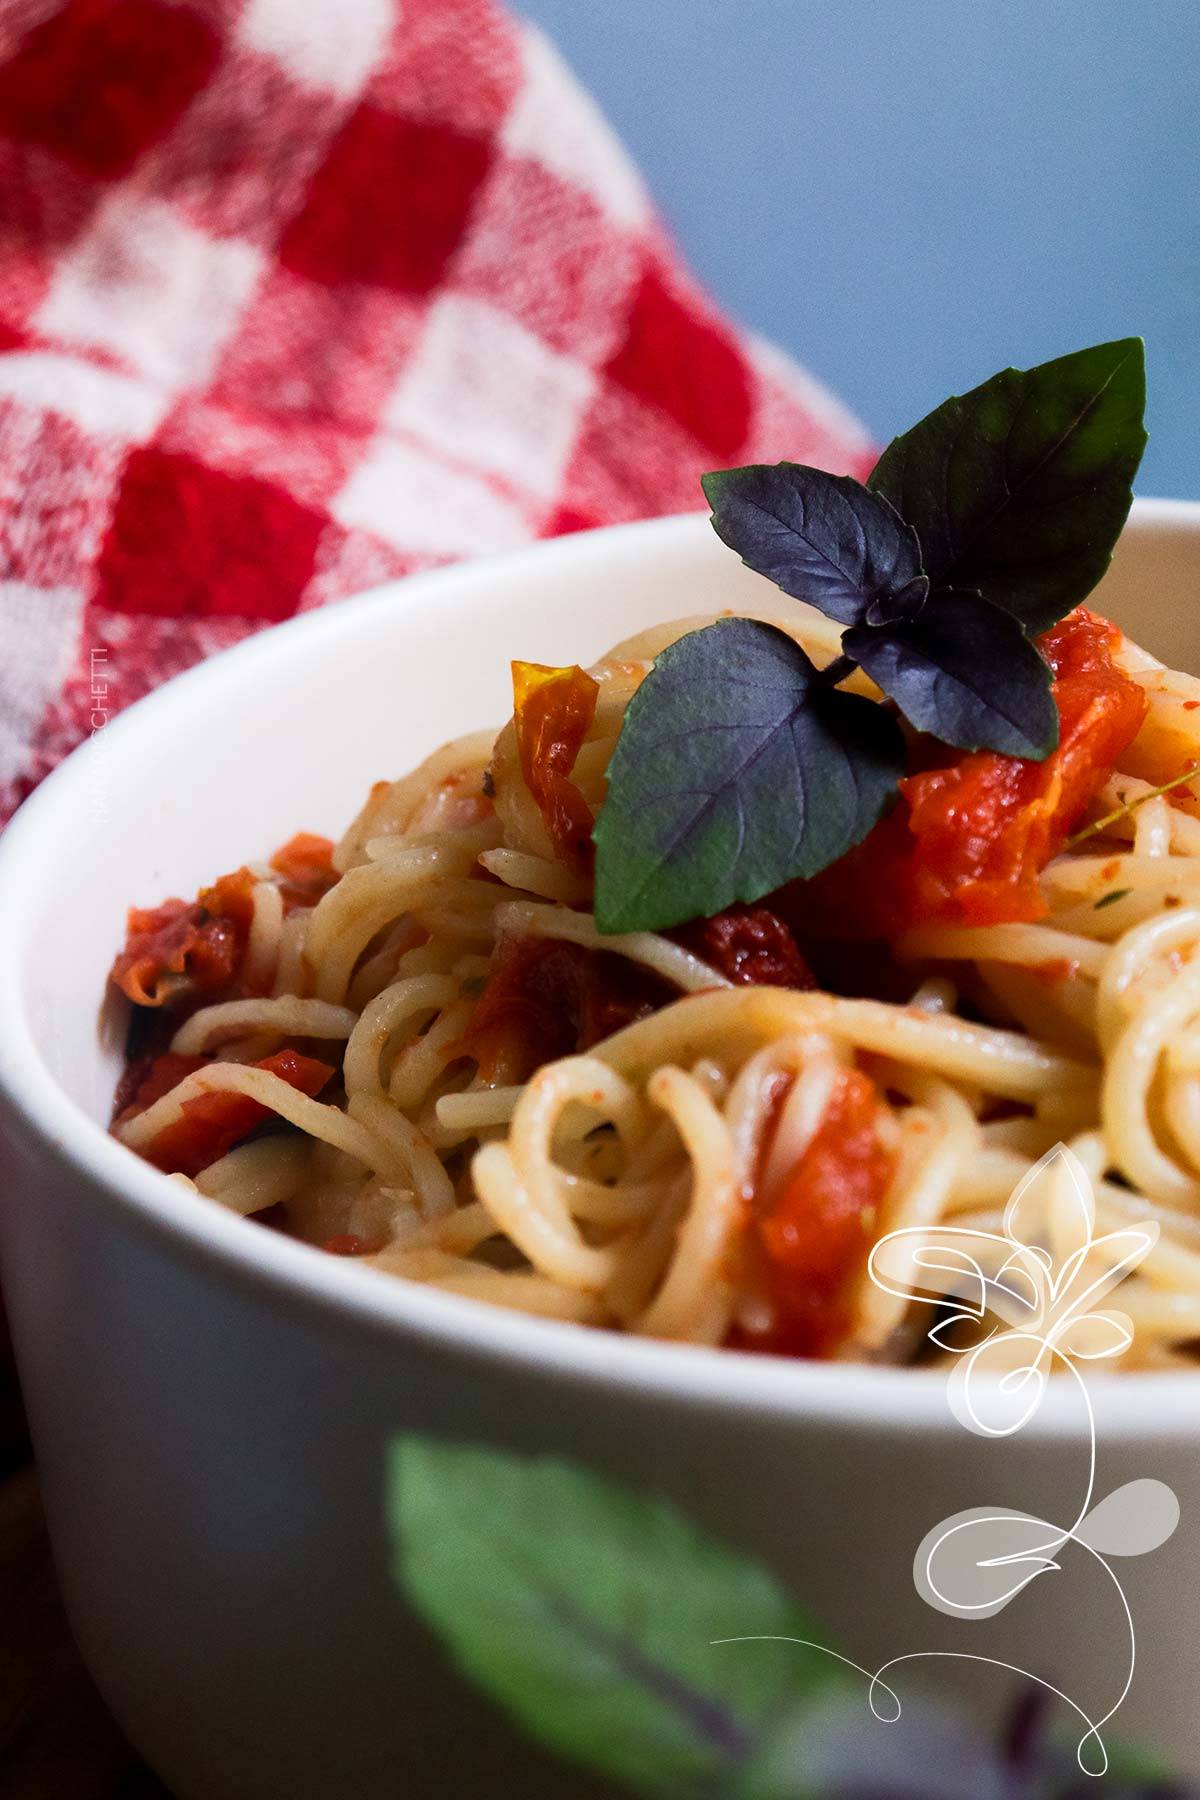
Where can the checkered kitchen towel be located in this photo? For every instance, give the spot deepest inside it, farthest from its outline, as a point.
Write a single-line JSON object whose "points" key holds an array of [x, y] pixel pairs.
{"points": [[299, 295]]}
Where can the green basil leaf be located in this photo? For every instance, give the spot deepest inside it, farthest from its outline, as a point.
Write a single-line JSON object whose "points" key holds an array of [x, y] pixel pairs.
{"points": [[821, 538], [1020, 488], [590, 1614], [964, 671], [737, 769]]}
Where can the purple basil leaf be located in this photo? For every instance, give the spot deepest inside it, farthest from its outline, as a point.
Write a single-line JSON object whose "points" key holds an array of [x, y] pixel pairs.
{"points": [[963, 671], [738, 768], [821, 538], [1020, 487]]}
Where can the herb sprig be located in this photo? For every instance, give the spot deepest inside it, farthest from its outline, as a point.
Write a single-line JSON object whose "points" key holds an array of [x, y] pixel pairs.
{"points": [[1129, 806], [741, 765]]}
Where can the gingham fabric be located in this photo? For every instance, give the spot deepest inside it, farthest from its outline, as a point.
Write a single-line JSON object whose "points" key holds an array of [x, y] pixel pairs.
{"points": [[300, 295]]}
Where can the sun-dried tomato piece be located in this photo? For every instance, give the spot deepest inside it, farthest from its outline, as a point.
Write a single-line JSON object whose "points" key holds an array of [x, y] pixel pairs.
{"points": [[306, 865], [544, 998], [213, 1123], [177, 949], [148, 1079], [552, 710], [750, 945]]}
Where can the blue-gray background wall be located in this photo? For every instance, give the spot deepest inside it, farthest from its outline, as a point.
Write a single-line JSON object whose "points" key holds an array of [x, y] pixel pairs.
{"points": [[910, 194]]}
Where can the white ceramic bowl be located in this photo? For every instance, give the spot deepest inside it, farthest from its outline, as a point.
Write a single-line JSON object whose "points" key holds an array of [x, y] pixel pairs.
{"points": [[210, 1402]]}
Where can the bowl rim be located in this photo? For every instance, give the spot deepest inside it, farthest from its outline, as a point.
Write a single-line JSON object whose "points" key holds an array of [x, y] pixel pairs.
{"points": [[291, 1274]]}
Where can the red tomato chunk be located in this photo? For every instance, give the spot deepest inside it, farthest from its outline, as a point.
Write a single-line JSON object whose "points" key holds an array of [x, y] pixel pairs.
{"points": [[815, 1236], [213, 1123], [973, 833]]}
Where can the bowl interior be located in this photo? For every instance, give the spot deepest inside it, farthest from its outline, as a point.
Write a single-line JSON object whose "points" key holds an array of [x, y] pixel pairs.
{"points": [[288, 732]]}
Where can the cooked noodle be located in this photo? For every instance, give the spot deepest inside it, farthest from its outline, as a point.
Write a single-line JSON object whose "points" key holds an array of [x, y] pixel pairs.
{"points": [[614, 1186]]}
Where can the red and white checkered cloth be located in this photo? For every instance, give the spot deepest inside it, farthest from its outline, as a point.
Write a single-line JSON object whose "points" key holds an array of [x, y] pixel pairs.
{"points": [[300, 295]]}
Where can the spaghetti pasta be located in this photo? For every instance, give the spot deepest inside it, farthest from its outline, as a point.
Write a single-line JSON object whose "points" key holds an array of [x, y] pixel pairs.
{"points": [[428, 1056]]}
